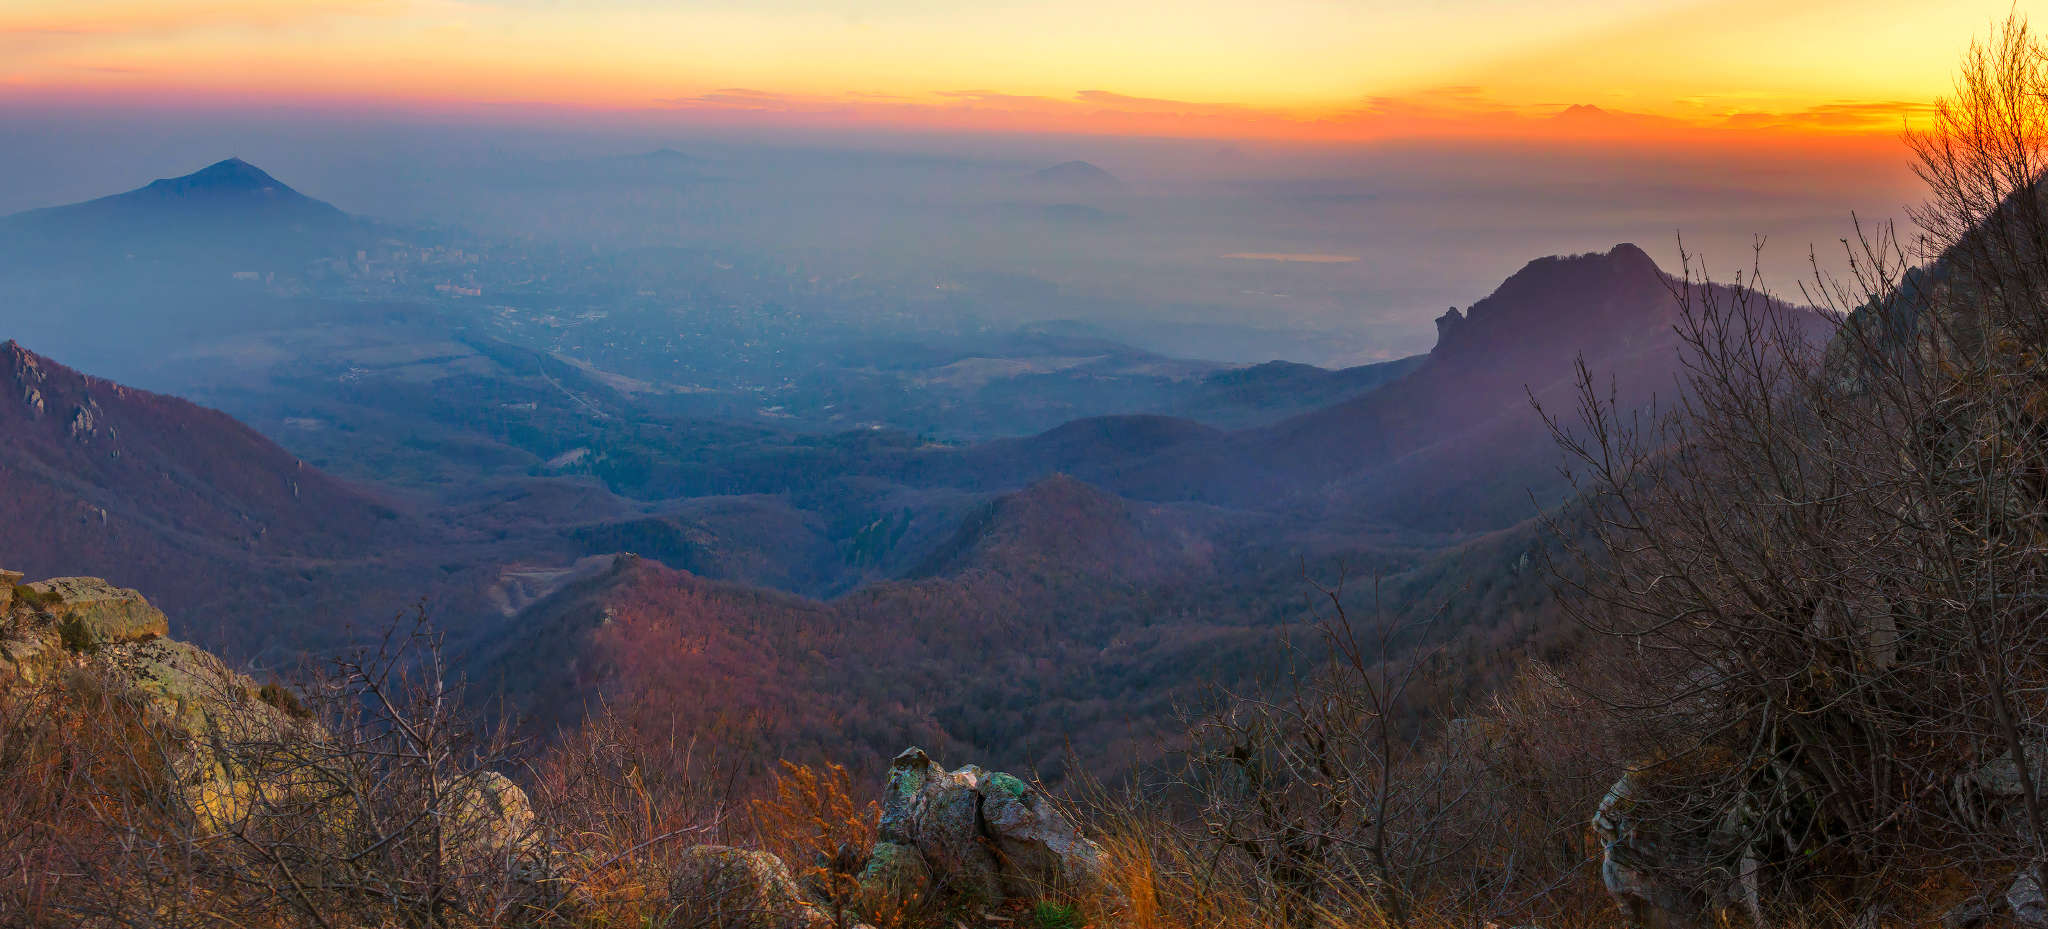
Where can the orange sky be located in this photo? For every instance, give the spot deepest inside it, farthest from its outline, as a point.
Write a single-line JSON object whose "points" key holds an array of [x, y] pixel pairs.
{"points": [[1280, 69]]}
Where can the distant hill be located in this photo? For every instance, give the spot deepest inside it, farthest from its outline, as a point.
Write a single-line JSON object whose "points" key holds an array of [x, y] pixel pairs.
{"points": [[230, 214], [1063, 525], [1079, 176], [997, 640], [1255, 394]]}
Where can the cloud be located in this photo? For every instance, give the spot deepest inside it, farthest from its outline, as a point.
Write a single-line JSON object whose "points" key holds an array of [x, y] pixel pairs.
{"points": [[1855, 115], [1449, 111], [73, 20], [733, 98]]}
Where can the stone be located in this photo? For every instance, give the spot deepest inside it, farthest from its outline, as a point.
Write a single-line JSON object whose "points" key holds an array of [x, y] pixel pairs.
{"points": [[109, 614], [1036, 843], [1630, 868], [979, 835], [721, 887], [496, 832], [2000, 777], [216, 720], [895, 871], [7, 581], [212, 704], [1970, 914], [494, 818], [2025, 901]]}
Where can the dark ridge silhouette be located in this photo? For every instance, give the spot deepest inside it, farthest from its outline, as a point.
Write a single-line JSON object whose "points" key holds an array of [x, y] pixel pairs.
{"points": [[1451, 445], [225, 191], [229, 214]]}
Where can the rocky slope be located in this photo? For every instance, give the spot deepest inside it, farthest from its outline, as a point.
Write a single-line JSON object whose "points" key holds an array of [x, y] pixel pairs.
{"points": [[75, 635], [214, 519]]}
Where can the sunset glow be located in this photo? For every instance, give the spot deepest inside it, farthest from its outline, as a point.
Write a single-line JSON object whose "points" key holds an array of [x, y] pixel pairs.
{"points": [[1293, 69]]}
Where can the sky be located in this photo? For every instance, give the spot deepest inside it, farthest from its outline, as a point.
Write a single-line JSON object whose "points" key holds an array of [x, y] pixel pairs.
{"points": [[1308, 70]]}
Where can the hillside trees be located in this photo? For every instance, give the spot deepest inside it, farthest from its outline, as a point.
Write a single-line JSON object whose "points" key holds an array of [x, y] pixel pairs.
{"points": [[1820, 569]]}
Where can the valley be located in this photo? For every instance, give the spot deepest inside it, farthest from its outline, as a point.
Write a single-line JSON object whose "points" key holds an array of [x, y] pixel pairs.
{"points": [[1020, 546]]}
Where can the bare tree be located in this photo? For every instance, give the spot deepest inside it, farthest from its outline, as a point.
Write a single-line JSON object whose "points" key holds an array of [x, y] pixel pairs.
{"points": [[1822, 565]]}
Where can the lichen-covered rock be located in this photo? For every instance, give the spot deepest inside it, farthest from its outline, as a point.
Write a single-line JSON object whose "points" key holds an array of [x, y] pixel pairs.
{"points": [[108, 614], [73, 632], [981, 835], [492, 808], [721, 887], [51, 624], [74, 637], [1035, 842], [212, 705], [896, 872], [495, 831]]}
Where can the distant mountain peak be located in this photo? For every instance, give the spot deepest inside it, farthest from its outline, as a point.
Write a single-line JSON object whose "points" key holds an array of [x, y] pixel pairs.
{"points": [[231, 177], [1629, 253], [229, 215], [1078, 174], [1560, 299], [234, 171]]}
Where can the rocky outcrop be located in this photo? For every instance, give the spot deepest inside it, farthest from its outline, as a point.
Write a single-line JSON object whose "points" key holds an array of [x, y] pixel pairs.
{"points": [[50, 623], [1660, 876], [720, 887], [107, 613], [66, 630], [67, 639], [1630, 862], [985, 836]]}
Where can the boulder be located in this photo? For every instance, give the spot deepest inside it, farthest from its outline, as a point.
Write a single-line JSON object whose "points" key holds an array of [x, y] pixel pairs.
{"points": [[495, 831], [1628, 865], [985, 836], [721, 887], [105, 613], [896, 872], [494, 820], [1970, 914], [1660, 876], [2029, 907], [211, 705]]}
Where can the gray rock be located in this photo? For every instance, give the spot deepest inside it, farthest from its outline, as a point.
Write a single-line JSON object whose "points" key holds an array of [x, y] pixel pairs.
{"points": [[720, 887], [1632, 862], [979, 835], [1969, 914], [2024, 898], [896, 872]]}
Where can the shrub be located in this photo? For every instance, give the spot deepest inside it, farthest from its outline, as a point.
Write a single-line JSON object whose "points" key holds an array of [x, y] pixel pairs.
{"points": [[1050, 915], [279, 696], [26, 594], [77, 636]]}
